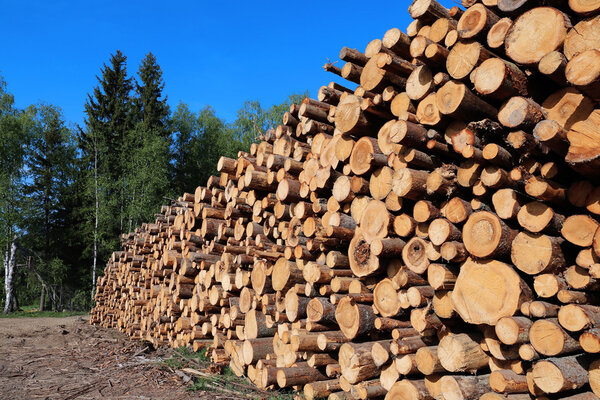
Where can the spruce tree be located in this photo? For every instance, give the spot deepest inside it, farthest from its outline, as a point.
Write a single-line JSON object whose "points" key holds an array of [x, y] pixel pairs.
{"points": [[109, 113], [49, 199], [109, 121], [148, 145], [153, 110], [50, 168]]}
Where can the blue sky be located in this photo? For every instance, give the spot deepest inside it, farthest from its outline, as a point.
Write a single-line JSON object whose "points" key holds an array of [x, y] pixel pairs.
{"points": [[211, 53]]}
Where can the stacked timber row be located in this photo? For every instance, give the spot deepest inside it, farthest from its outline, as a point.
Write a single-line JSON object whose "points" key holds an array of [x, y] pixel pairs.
{"points": [[431, 234]]}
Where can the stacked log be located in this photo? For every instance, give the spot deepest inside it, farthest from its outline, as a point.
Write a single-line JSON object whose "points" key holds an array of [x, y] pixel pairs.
{"points": [[432, 233]]}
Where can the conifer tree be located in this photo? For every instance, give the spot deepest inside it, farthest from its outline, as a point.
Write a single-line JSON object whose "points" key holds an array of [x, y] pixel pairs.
{"points": [[151, 105], [48, 203], [109, 121], [148, 145], [51, 155]]}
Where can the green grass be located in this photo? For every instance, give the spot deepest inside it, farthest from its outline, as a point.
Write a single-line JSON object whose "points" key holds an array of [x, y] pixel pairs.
{"points": [[225, 382], [184, 357], [33, 312], [229, 382], [282, 396]]}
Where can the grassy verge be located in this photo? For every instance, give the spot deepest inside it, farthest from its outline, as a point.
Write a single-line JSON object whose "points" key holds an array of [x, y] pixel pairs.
{"points": [[224, 382], [183, 357], [33, 312]]}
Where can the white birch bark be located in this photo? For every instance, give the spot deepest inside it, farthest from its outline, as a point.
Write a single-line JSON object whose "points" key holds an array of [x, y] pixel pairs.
{"points": [[10, 266]]}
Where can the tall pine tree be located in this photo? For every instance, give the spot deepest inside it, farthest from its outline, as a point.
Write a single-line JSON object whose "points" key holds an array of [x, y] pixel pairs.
{"points": [[151, 106], [109, 122], [49, 196], [148, 145], [50, 163]]}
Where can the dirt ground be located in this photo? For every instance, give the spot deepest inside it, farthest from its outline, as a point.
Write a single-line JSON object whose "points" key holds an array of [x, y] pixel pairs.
{"points": [[66, 358]]}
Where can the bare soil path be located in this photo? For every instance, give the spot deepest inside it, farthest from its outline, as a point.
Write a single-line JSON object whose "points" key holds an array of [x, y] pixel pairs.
{"points": [[66, 358]]}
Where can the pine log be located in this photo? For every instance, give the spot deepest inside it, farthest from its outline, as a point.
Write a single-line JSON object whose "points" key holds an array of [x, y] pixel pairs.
{"points": [[548, 24], [549, 339], [575, 318], [584, 36], [456, 100], [476, 21], [579, 230], [497, 33], [354, 319], [506, 381], [477, 302], [397, 41], [464, 387], [520, 113], [513, 330], [555, 375], [427, 361], [461, 352], [414, 256], [407, 389], [356, 362], [534, 253], [464, 57], [485, 235], [298, 375]]}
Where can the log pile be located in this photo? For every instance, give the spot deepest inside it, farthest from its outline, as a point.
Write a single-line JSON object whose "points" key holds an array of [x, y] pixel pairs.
{"points": [[431, 234]]}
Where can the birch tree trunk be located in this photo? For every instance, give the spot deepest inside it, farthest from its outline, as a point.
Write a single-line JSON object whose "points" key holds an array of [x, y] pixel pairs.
{"points": [[6, 271], [10, 266]]}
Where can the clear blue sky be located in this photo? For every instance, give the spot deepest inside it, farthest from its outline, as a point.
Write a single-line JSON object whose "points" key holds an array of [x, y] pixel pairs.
{"points": [[216, 53]]}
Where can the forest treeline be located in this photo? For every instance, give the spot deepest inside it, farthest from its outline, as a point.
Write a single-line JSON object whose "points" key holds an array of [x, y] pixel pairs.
{"points": [[67, 192]]}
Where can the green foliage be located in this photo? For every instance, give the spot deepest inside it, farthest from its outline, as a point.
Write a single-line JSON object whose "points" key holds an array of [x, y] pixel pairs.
{"points": [[50, 170], [14, 139], [187, 353], [185, 132], [68, 193], [33, 312], [225, 382], [150, 105], [200, 383], [253, 120], [173, 363], [48, 229], [282, 396], [110, 118], [147, 157], [199, 141], [81, 298], [147, 176]]}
